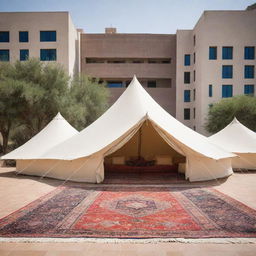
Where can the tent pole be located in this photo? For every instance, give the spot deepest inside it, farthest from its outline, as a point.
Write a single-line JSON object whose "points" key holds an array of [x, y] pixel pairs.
{"points": [[139, 144]]}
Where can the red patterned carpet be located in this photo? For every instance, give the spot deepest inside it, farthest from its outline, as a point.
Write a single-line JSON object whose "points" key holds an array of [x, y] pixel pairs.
{"points": [[132, 212]]}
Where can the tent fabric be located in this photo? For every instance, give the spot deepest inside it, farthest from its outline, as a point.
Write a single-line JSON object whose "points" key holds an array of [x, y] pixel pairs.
{"points": [[134, 106], [240, 140], [55, 132], [81, 157]]}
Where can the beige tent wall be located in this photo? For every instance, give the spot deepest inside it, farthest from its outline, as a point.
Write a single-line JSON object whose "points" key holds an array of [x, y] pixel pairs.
{"points": [[152, 144], [244, 161], [202, 168], [90, 169]]}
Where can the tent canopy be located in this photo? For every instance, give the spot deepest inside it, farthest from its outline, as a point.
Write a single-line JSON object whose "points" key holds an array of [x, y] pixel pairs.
{"points": [[123, 119], [58, 130], [236, 138]]}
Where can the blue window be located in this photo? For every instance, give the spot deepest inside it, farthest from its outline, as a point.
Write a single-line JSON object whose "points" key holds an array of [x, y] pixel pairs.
{"points": [[4, 55], [212, 53], [249, 89], [249, 71], [187, 59], [186, 113], [114, 84], [249, 53], [48, 54], [210, 90], [23, 36], [24, 54], [227, 53], [227, 91], [48, 36], [4, 36], [227, 71], [186, 95]]}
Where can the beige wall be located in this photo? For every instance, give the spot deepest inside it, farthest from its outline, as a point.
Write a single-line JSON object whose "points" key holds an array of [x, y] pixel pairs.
{"points": [[33, 22], [131, 47], [214, 28]]}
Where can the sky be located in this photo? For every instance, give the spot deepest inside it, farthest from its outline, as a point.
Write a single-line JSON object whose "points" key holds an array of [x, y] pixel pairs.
{"points": [[128, 16]]}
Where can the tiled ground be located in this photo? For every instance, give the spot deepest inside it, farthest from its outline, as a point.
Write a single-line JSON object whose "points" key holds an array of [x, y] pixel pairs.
{"points": [[16, 191]]}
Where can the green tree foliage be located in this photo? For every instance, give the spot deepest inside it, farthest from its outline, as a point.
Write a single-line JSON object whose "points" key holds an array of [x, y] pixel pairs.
{"points": [[222, 113], [33, 92], [87, 100]]}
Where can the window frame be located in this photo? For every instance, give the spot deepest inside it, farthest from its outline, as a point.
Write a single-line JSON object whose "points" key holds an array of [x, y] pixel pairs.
{"points": [[7, 50], [21, 56], [247, 74], [213, 54], [41, 51], [2, 39], [227, 74], [210, 91], [46, 36], [186, 113], [187, 59], [247, 53], [187, 96], [20, 37], [249, 86], [225, 53], [187, 78], [225, 91]]}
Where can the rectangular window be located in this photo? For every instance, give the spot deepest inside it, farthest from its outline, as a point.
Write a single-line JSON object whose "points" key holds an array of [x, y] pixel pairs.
{"points": [[210, 90], [23, 36], [249, 89], [186, 77], [194, 57], [187, 59], [24, 54], [227, 71], [194, 112], [194, 94], [194, 40], [4, 55], [249, 53], [194, 75], [212, 53], [4, 37], [152, 84], [227, 53], [249, 71], [48, 36], [186, 113], [186, 95], [48, 54], [227, 91], [114, 84]]}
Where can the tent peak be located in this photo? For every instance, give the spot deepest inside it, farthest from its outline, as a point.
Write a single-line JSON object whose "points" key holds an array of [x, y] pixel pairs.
{"points": [[235, 121], [58, 116]]}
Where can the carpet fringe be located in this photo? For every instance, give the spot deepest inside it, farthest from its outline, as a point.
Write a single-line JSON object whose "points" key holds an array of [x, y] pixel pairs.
{"points": [[131, 241]]}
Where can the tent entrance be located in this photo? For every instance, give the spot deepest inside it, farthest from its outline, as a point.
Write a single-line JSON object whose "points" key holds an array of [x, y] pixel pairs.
{"points": [[145, 157]]}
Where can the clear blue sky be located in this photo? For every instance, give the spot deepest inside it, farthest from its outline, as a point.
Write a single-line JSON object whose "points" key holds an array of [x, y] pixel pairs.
{"points": [[129, 16]]}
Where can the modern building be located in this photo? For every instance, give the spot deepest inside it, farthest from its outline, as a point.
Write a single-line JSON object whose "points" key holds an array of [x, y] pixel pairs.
{"points": [[184, 72], [49, 36]]}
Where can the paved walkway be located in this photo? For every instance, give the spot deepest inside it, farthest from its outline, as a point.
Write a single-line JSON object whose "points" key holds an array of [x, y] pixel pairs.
{"points": [[17, 191]]}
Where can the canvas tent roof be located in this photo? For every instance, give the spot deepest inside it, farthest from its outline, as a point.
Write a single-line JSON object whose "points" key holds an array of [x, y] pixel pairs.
{"points": [[236, 138], [58, 130], [133, 107]]}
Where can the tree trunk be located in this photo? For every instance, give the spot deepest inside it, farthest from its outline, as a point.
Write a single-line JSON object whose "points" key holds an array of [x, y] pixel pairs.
{"points": [[5, 134]]}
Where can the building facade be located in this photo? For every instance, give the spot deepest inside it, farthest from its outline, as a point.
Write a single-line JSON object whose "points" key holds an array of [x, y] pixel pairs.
{"points": [[49, 36], [184, 72]]}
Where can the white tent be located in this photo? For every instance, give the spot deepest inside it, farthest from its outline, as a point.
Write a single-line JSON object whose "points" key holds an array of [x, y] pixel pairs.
{"points": [[81, 158], [237, 138], [58, 130]]}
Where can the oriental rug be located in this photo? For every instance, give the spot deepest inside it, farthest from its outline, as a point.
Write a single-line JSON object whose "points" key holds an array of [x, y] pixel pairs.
{"points": [[132, 212]]}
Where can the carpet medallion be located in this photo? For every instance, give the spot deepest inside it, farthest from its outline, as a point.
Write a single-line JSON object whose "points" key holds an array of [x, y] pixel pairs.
{"points": [[132, 212]]}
